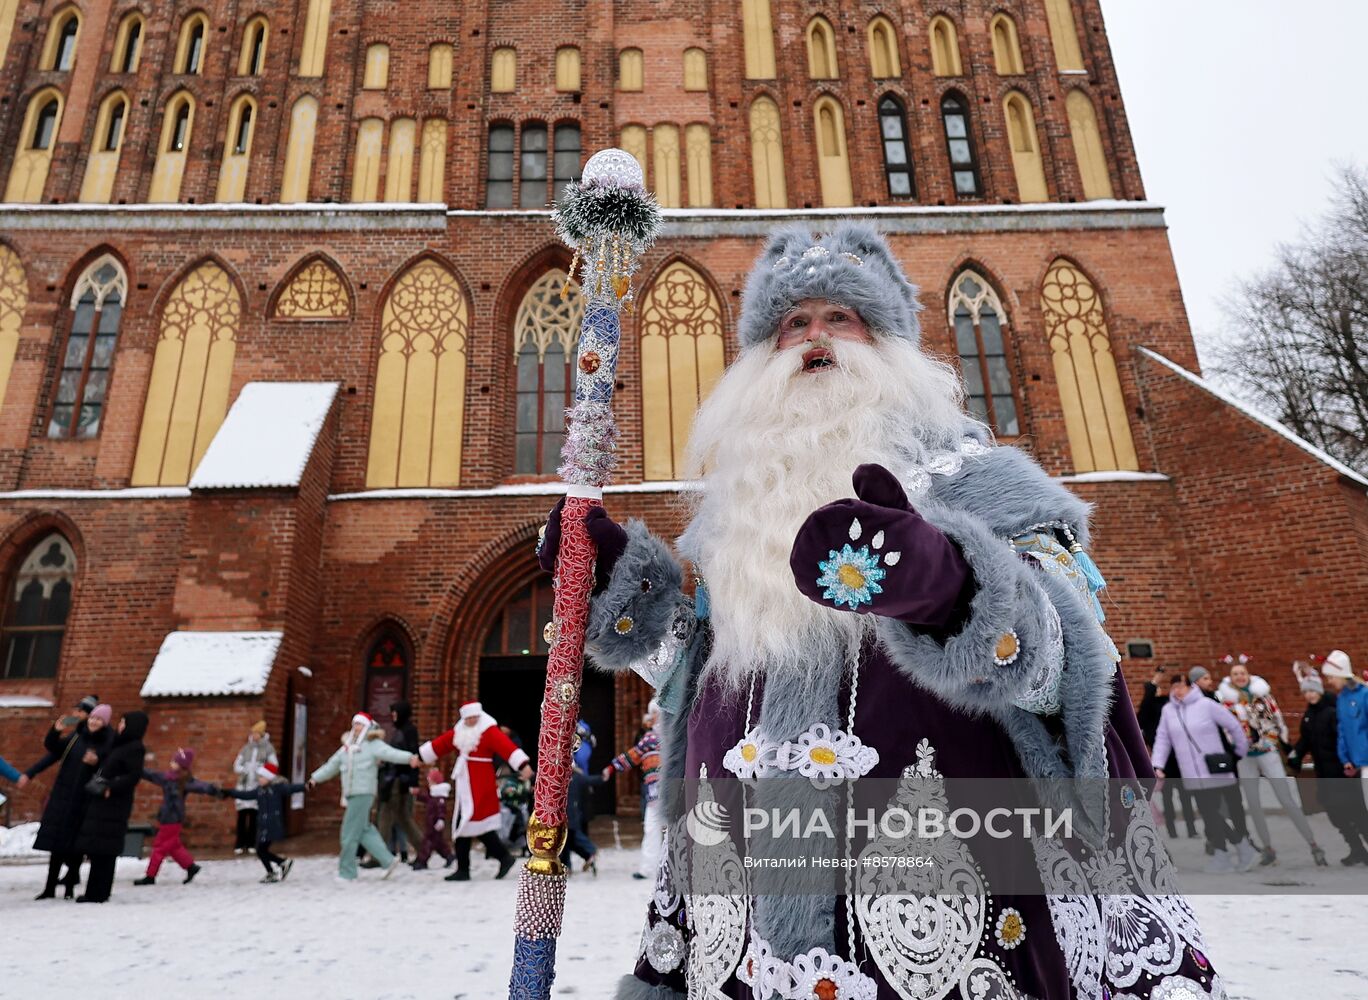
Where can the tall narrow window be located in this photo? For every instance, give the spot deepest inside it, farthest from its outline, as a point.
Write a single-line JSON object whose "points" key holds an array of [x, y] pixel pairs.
{"points": [[821, 50], [682, 358], [757, 27], [883, 50], [440, 58], [370, 141], [403, 141], [432, 165], [499, 183], [566, 167], [897, 155], [695, 70], [177, 123], [567, 69], [698, 149], [102, 162], [29, 173], [545, 336], [97, 307], [313, 52], [252, 58], [503, 71], [9, 10], [767, 154], [1095, 414], [237, 150], [61, 55], [36, 610], [294, 185], [532, 167], [977, 317], [1087, 143], [190, 50], [1006, 48], [630, 70], [419, 406], [13, 304], [1064, 34], [127, 45], [187, 393], [633, 140], [665, 145], [1026, 159], [833, 162], [376, 76], [960, 145], [945, 53]]}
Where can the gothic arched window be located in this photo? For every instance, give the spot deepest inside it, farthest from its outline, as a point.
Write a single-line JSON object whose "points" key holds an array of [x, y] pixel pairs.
{"points": [[36, 610], [960, 144], [387, 672], [545, 334], [97, 304], [897, 154], [978, 319]]}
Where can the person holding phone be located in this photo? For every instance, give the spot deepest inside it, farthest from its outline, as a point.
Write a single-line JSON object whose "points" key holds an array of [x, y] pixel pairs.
{"points": [[76, 743]]}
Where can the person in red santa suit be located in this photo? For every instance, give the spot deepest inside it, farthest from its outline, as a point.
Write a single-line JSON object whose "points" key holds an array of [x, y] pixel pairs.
{"points": [[477, 740]]}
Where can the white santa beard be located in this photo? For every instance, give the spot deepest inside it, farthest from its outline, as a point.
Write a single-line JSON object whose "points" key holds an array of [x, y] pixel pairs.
{"points": [[774, 443], [467, 737]]}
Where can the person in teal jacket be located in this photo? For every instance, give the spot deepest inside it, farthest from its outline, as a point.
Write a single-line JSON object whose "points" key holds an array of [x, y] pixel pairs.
{"points": [[357, 761]]}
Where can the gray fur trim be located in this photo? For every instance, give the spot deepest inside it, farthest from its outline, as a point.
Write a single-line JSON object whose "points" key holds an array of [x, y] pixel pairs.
{"points": [[962, 672], [645, 560], [876, 288], [674, 738], [1010, 493], [632, 988]]}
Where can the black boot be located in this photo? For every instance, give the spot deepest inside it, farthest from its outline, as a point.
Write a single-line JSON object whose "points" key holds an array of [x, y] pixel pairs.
{"points": [[459, 875], [146, 880], [190, 873], [505, 865]]}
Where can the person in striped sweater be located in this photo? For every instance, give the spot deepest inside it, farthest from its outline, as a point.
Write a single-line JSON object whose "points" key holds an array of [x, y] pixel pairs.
{"points": [[646, 756]]}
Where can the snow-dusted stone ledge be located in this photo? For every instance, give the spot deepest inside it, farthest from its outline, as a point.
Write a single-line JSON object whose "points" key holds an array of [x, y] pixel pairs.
{"points": [[303, 217], [196, 664], [24, 701]]}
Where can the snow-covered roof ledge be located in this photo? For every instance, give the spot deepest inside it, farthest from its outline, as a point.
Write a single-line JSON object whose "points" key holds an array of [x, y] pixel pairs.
{"points": [[194, 664], [267, 437], [1273, 425], [24, 701]]}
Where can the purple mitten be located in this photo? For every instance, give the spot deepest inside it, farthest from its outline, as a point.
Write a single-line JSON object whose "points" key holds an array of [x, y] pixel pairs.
{"points": [[609, 538], [876, 554]]}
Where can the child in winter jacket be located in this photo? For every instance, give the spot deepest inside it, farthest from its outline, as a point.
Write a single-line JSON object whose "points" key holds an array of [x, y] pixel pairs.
{"points": [[434, 799], [176, 783], [270, 796]]}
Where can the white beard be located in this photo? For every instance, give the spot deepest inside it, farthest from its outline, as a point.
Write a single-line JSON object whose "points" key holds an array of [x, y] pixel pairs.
{"points": [[773, 443], [467, 738]]}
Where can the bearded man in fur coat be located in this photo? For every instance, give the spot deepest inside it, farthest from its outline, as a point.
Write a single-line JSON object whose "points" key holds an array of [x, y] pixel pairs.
{"points": [[880, 594]]}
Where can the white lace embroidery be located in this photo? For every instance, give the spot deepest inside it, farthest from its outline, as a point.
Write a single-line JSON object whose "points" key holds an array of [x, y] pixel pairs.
{"points": [[922, 926], [1041, 694], [917, 479], [767, 975], [717, 918], [823, 755]]}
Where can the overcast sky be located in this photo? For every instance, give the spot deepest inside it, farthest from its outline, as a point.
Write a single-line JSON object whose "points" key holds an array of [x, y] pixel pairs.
{"points": [[1240, 110]]}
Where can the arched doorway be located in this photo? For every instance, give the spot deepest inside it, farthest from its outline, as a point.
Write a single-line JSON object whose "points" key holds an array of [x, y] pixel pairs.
{"points": [[513, 678], [387, 672]]}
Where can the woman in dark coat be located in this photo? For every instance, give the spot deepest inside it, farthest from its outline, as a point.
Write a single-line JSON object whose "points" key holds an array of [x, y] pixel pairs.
{"points": [[106, 819], [77, 751], [1341, 796]]}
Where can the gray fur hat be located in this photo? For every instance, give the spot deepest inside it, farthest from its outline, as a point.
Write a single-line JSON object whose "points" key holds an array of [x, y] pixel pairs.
{"points": [[852, 266]]}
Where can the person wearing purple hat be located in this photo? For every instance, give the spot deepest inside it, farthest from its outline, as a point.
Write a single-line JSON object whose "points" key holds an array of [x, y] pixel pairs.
{"points": [[176, 783], [76, 743]]}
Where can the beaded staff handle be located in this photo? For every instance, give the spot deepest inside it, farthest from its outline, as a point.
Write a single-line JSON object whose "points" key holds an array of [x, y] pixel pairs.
{"points": [[609, 220]]}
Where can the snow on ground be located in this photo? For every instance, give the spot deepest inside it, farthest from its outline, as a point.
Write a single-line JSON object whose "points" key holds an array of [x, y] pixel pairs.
{"points": [[418, 937]]}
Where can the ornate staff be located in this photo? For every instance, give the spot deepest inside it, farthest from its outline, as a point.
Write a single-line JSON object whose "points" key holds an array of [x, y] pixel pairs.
{"points": [[609, 220]]}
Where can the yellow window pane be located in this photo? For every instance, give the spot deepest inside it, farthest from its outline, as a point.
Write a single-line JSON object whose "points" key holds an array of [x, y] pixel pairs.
{"points": [[440, 58], [630, 71], [568, 68], [503, 71], [377, 67], [695, 69]]}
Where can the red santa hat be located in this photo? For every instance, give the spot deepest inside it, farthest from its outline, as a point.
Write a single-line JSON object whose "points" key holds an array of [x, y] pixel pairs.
{"points": [[471, 708], [268, 771], [362, 717]]}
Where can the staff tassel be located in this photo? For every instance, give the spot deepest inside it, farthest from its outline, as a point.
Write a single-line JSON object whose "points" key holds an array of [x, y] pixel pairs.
{"points": [[609, 220]]}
